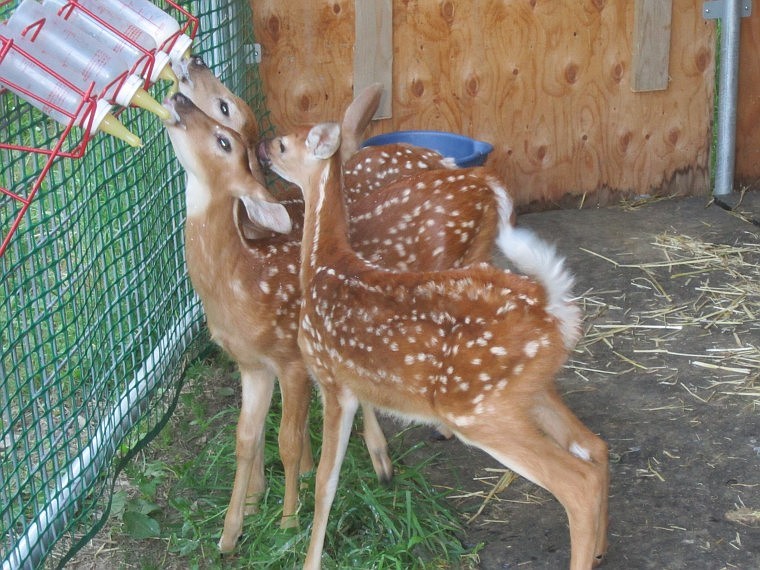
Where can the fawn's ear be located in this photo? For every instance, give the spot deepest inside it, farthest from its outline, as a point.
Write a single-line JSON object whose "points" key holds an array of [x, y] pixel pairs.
{"points": [[323, 140], [246, 228], [357, 118], [260, 213], [265, 215]]}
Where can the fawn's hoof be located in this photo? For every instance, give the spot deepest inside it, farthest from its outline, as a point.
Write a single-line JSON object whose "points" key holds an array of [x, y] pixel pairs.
{"points": [[227, 544]]}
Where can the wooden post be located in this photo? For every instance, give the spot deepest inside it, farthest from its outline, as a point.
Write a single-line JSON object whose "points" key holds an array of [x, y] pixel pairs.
{"points": [[373, 51], [651, 45]]}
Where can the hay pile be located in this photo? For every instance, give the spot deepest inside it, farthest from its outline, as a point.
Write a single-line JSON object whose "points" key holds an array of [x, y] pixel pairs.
{"points": [[701, 294]]}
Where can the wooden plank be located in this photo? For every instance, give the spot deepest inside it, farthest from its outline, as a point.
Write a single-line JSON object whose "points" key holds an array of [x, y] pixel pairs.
{"points": [[651, 44], [373, 50]]}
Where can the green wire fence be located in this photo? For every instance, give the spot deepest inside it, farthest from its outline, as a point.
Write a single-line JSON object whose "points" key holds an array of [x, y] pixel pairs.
{"points": [[97, 316]]}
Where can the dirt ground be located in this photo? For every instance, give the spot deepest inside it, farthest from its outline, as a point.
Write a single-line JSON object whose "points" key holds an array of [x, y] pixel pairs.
{"points": [[667, 374]]}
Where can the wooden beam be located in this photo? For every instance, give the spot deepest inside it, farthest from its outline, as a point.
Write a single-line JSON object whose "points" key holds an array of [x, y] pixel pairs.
{"points": [[651, 44], [373, 50]]}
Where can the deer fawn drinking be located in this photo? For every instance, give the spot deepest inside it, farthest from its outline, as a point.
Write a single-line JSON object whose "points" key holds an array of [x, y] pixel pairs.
{"points": [[243, 262], [474, 349]]}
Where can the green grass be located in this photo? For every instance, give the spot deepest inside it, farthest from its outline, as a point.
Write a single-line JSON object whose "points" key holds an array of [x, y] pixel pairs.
{"points": [[171, 514]]}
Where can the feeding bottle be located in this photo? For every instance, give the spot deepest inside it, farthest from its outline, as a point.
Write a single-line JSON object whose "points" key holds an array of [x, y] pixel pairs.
{"points": [[160, 25], [71, 53], [87, 14], [57, 100]]}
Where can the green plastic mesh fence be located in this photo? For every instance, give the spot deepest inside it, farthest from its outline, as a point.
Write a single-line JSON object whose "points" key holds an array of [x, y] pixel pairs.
{"points": [[97, 316]]}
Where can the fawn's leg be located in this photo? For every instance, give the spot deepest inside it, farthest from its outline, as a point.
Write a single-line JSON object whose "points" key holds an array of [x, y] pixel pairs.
{"points": [[377, 446], [339, 412], [559, 422], [307, 458], [257, 387], [521, 445], [295, 387]]}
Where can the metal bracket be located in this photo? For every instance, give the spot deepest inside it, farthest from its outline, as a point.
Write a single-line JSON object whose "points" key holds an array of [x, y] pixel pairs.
{"points": [[716, 9], [252, 54]]}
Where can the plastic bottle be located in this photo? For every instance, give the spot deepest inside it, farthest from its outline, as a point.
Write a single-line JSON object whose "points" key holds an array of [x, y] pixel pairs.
{"points": [[160, 25], [18, 72], [72, 54], [113, 13]]}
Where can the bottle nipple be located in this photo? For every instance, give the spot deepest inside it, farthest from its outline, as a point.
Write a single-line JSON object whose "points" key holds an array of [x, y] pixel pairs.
{"points": [[167, 74], [143, 99], [112, 126]]}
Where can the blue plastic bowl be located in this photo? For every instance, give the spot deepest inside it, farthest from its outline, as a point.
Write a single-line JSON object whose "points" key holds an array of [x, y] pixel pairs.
{"points": [[464, 150]]}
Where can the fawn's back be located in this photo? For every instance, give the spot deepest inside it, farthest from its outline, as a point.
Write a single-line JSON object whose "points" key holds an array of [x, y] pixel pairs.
{"points": [[418, 345]]}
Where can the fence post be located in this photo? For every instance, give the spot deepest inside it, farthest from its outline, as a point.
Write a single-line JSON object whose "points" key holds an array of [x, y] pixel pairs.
{"points": [[729, 12]]}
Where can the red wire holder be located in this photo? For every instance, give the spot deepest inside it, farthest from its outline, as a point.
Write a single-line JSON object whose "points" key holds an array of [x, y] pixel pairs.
{"points": [[86, 108]]}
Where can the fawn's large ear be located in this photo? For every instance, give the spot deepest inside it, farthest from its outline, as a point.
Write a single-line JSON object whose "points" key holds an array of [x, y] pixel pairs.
{"points": [[323, 140], [357, 118], [264, 215], [261, 213]]}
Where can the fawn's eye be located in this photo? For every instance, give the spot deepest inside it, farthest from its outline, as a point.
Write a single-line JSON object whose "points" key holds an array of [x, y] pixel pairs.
{"points": [[224, 143], [282, 146], [224, 108], [198, 60]]}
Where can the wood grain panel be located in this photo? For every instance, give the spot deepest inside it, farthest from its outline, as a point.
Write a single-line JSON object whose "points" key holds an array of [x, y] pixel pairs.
{"points": [[546, 81], [307, 57]]}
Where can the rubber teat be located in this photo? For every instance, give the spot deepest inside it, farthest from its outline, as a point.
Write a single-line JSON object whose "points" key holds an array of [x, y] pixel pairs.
{"points": [[142, 99], [167, 73], [112, 126]]}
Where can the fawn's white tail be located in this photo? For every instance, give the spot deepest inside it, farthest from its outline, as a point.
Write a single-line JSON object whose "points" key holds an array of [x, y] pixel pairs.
{"points": [[538, 259]]}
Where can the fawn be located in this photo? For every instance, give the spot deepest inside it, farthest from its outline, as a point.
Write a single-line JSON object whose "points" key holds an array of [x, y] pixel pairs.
{"points": [[475, 349], [243, 264]]}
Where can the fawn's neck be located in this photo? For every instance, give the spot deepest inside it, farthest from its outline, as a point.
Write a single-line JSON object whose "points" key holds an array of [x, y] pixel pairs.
{"points": [[325, 234], [211, 239]]}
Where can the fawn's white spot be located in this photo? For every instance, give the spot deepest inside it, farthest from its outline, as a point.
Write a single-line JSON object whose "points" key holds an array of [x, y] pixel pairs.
{"points": [[530, 348], [461, 421], [580, 452]]}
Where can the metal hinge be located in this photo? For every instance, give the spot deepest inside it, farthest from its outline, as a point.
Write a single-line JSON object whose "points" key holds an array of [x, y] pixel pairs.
{"points": [[715, 9], [252, 54]]}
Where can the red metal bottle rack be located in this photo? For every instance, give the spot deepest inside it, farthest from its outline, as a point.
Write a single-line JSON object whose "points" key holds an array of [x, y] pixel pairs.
{"points": [[86, 109]]}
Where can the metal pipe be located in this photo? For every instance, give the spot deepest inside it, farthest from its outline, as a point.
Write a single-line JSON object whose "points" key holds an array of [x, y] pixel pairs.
{"points": [[728, 95]]}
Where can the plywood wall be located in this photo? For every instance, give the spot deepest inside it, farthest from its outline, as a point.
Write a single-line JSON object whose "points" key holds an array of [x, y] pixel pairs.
{"points": [[548, 82], [748, 117]]}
